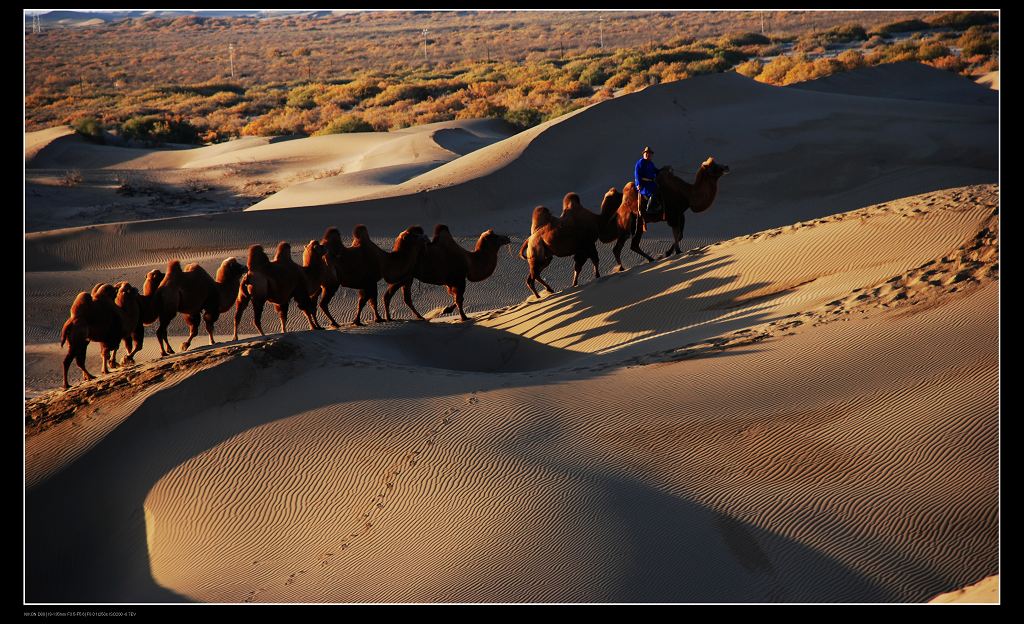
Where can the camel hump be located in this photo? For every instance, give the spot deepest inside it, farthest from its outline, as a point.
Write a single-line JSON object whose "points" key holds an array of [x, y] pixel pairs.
{"points": [[81, 303], [192, 266], [570, 201], [439, 228], [332, 233], [283, 253], [256, 256], [360, 232], [710, 161], [174, 266], [104, 291]]}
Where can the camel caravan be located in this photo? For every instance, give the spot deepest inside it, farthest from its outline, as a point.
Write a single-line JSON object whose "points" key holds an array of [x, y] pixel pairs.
{"points": [[114, 314]]}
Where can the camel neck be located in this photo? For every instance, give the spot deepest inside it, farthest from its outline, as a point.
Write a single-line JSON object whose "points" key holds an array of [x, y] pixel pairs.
{"points": [[482, 263], [704, 190]]}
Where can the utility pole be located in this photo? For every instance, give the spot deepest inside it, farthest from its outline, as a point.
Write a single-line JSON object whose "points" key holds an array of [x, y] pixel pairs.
{"points": [[601, 25], [231, 53], [425, 31], [762, 21]]}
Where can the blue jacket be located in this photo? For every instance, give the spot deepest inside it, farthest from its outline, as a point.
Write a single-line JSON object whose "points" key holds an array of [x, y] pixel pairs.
{"points": [[645, 169]]}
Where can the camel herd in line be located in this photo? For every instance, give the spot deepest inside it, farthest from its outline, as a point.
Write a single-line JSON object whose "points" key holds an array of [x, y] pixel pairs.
{"points": [[112, 314]]}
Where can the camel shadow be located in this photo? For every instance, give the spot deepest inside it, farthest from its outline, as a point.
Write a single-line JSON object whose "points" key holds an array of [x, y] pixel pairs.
{"points": [[675, 296]]}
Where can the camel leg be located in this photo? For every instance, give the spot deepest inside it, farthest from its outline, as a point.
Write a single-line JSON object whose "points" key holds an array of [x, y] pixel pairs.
{"points": [[635, 246], [240, 304], [257, 314], [80, 360], [388, 294], [373, 304], [359, 307], [75, 353], [282, 313], [459, 291], [161, 336], [407, 296], [327, 293], [137, 337], [592, 252], [307, 306], [546, 285], [530, 280], [620, 242], [210, 318], [677, 235], [193, 329], [104, 355], [579, 259]]}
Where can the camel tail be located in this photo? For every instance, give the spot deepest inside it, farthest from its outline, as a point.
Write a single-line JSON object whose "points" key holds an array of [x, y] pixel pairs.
{"points": [[522, 250], [64, 332]]}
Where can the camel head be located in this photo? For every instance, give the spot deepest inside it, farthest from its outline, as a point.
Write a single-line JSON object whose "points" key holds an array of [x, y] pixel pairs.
{"points": [[126, 293], [490, 240], [712, 168], [257, 258], [230, 270], [153, 279]]}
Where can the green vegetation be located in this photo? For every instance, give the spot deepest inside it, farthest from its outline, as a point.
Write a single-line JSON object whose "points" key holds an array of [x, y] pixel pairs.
{"points": [[525, 68]]}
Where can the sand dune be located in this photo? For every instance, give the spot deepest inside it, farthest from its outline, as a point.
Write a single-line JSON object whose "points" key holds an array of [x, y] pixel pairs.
{"points": [[736, 431], [905, 81], [777, 415], [795, 155]]}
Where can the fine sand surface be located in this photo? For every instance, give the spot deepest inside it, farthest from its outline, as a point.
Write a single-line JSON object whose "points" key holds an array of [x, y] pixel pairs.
{"points": [[990, 80], [984, 591], [779, 417], [803, 407]]}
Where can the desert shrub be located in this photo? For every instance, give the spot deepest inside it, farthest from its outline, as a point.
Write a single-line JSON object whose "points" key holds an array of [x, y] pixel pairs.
{"points": [[929, 51], [618, 81], [482, 109], [962, 19], [346, 123], [851, 59], [949, 63], [156, 129], [845, 33], [743, 39], [902, 26], [304, 96], [750, 69], [595, 74], [708, 66], [977, 41], [523, 118], [89, 128], [775, 71]]}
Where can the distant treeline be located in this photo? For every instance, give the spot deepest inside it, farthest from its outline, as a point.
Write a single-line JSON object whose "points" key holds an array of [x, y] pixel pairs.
{"points": [[304, 78]]}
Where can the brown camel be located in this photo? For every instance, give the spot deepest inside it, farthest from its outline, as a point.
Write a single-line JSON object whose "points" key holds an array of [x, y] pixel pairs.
{"points": [[574, 234], [149, 313], [196, 295], [445, 263], [278, 282], [676, 195], [318, 269], [99, 319], [364, 264]]}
